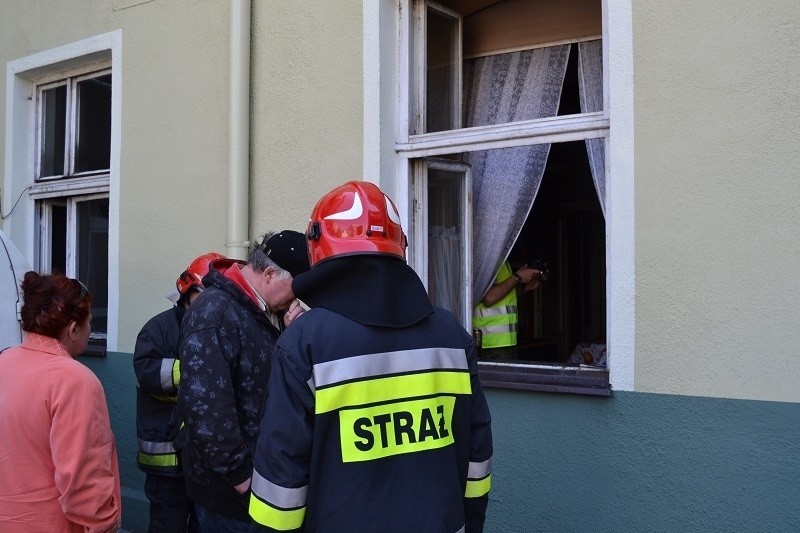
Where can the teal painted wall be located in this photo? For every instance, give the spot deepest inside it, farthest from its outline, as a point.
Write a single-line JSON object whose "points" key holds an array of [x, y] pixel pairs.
{"points": [[643, 462], [630, 463], [116, 372]]}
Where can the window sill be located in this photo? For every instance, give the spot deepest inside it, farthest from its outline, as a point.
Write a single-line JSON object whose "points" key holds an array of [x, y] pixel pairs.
{"points": [[544, 377], [95, 348]]}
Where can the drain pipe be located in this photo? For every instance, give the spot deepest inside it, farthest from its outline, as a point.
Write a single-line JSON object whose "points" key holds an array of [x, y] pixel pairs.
{"points": [[238, 240]]}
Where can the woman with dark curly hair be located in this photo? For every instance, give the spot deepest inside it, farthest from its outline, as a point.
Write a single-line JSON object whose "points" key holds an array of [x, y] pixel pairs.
{"points": [[58, 459]]}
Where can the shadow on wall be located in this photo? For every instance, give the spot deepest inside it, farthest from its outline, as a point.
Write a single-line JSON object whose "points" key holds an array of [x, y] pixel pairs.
{"points": [[115, 371]]}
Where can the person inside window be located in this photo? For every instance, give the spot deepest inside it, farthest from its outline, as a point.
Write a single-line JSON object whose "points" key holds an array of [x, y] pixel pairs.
{"points": [[496, 315]]}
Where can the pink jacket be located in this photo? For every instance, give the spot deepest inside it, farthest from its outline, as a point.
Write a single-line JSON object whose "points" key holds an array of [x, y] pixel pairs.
{"points": [[58, 459]]}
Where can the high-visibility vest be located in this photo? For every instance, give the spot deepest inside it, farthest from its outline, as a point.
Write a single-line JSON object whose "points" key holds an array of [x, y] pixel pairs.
{"points": [[498, 323]]}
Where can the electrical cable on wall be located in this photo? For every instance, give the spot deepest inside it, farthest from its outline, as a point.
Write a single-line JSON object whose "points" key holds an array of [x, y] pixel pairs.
{"points": [[2, 216]]}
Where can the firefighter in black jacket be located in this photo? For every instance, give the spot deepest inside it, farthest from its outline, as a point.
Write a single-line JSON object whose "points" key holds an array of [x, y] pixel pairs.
{"points": [[375, 418], [157, 371]]}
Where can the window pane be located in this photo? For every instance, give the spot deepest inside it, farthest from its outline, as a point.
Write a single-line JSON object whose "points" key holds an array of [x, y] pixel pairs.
{"points": [[93, 150], [446, 240], [54, 120], [58, 242], [442, 73], [92, 257]]}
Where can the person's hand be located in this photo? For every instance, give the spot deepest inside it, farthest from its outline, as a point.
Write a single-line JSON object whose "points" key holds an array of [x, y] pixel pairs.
{"points": [[294, 311], [527, 274], [242, 487], [532, 285]]}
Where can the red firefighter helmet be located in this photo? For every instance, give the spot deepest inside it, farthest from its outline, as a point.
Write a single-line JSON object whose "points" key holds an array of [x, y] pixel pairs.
{"points": [[355, 218], [192, 277]]}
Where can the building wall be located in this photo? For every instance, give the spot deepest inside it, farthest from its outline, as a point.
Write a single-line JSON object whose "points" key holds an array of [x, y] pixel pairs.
{"points": [[632, 462], [173, 156], [716, 165], [174, 148], [307, 125], [642, 462], [695, 447]]}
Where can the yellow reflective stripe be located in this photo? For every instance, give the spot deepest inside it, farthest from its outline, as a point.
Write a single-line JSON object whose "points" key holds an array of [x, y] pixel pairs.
{"points": [[167, 459], [279, 519], [392, 388], [164, 398], [176, 373], [396, 428], [479, 487]]}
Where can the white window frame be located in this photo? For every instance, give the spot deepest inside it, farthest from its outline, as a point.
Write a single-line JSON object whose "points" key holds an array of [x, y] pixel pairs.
{"points": [[45, 229], [419, 227], [617, 109], [420, 23], [89, 71], [23, 76]]}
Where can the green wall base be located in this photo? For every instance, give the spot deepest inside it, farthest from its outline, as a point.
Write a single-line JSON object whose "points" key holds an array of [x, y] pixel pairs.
{"points": [[630, 463]]}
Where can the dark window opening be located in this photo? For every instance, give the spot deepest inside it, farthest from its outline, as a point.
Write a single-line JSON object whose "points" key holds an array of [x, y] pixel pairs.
{"points": [[566, 230], [93, 145], [54, 127]]}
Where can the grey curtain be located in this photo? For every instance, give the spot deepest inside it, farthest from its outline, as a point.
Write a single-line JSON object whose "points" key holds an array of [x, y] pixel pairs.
{"points": [[590, 86], [500, 89]]}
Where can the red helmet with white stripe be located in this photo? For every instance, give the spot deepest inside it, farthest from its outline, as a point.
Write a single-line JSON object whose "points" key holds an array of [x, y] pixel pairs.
{"points": [[192, 277], [354, 219]]}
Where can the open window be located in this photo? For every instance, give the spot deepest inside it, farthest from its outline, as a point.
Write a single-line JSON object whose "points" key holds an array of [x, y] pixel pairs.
{"points": [[442, 230], [72, 182], [513, 92]]}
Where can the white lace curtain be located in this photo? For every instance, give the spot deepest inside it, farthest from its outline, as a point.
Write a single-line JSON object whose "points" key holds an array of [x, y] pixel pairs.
{"points": [[444, 268], [590, 87], [512, 87], [500, 89]]}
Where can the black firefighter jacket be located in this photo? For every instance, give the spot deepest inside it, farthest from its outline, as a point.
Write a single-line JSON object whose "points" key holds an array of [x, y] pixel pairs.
{"points": [[157, 375], [226, 351], [371, 428]]}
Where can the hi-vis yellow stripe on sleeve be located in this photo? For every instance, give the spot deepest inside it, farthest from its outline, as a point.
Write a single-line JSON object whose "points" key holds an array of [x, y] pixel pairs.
{"points": [[479, 478], [478, 487], [166, 460], [278, 519], [286, 508], [378, 390]]}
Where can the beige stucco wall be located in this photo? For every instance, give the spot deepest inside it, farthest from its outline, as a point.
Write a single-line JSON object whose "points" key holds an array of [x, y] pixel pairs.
{"points": [[173, 158], [717, 168], [307, 119]]}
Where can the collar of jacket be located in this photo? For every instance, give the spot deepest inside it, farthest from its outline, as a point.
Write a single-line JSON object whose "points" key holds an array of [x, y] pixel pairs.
{"points": [[374, 290], [219, 279], [234, 273], [43, 343]]}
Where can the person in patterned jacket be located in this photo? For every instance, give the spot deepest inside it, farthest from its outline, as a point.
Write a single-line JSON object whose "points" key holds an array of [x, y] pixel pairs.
{"points": [[157, 370], [227, 340]]}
